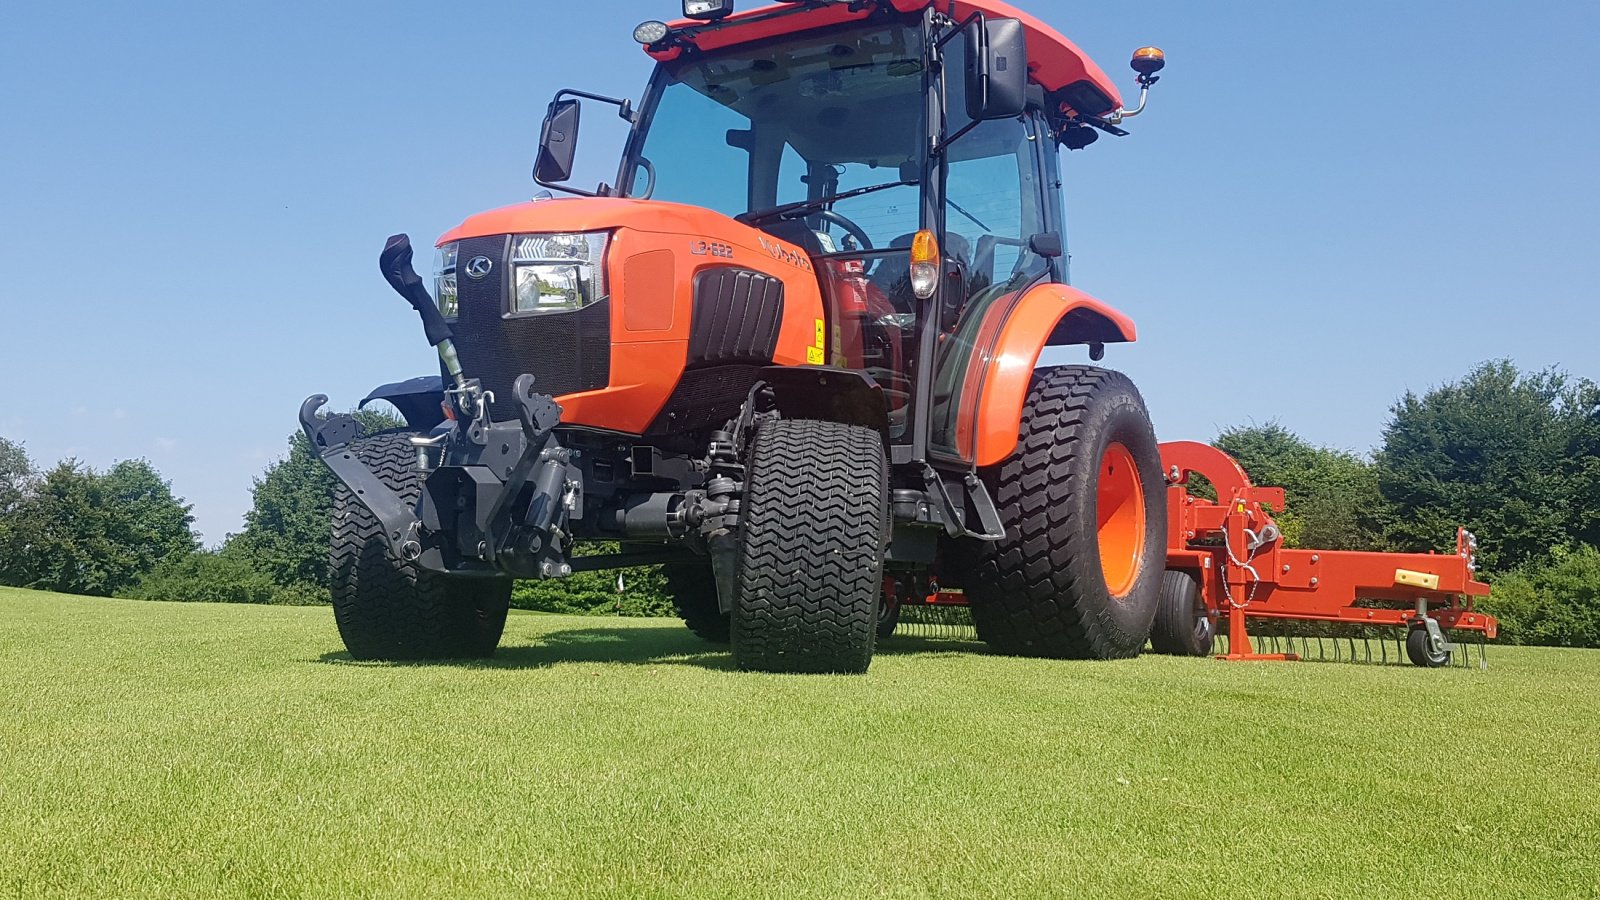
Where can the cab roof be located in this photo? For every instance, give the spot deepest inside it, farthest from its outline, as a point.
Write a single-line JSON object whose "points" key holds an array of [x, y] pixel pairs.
{"points": [[1054, 62]]}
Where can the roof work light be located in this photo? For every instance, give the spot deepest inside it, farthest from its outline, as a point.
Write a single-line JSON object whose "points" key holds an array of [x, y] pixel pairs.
{"points": [[651, 32], [707, 9]]}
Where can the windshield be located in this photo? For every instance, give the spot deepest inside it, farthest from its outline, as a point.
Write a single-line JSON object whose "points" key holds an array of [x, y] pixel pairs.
{"points": [[756, 127]]}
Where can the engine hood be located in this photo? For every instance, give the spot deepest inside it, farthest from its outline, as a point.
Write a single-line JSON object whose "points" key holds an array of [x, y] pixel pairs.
{"points": [[599, 214]]}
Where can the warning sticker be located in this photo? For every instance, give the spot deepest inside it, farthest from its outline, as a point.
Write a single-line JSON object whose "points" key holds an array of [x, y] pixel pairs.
{"points": [[816, 354]]}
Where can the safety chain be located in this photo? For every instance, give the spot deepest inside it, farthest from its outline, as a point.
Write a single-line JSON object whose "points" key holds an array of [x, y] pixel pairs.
{"points": [[1250, 555]]}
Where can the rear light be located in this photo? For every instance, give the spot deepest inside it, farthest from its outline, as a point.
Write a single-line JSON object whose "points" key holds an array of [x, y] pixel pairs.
{"points": [[924, 264]]}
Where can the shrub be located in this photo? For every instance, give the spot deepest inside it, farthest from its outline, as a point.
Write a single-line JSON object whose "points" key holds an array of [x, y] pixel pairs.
{"points": [[1555, 604], [204, 577]]}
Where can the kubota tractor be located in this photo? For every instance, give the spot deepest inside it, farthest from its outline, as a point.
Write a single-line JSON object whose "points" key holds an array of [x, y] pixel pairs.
{"points": [[789, 355]]}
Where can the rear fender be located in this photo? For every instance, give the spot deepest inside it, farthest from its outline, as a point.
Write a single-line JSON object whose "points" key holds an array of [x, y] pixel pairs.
{"points": [[1005, 344]]}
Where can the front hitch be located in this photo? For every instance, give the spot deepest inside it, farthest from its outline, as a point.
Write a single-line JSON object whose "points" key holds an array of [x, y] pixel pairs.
{"points": [[330, 440], [487, 464], [464, 519]]}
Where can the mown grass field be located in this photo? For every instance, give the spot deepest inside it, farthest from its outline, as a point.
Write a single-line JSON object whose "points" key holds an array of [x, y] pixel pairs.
{"points": [[175, 750]]}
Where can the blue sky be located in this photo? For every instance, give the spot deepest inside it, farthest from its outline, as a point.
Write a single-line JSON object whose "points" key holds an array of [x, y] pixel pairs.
{"points": [[1328, 204]]}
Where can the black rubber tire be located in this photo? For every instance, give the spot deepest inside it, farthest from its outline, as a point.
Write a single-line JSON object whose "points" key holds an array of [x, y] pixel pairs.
{"points": [[1421, 651], [1182, 625], [1042, 590], [693, 589], [812, 534], [888, 617], [387, 608]]}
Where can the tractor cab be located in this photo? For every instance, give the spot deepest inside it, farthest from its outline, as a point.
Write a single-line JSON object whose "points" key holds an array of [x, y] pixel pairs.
{"points": [[823, 140], [908, 149]]}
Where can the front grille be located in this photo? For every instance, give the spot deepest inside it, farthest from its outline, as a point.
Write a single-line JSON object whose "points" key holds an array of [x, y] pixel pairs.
{"points": [[566, 352]]}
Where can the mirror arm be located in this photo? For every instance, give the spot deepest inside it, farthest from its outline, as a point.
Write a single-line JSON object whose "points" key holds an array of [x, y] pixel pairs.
{"points": [[941, 146], [625, 108]]}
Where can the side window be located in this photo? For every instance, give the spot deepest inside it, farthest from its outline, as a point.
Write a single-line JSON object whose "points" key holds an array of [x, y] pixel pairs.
{"points": [[992, 202]]}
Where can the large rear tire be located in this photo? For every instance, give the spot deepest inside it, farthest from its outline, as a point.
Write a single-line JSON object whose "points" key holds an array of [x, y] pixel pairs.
{"points": [[1084, 504], [1183, 625], [387, 608], [693, 589], [813, 529]]}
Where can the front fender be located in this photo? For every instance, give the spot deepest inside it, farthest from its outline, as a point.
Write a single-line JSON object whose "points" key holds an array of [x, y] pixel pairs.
{"points": [[419, 400], [1002, 344]]}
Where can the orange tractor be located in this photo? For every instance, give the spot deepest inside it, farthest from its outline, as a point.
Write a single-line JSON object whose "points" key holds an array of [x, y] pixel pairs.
{"points": [[790, 356]]}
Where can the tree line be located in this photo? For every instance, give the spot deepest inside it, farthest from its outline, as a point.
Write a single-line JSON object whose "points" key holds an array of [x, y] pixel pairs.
{"points": [[1512, 455]]}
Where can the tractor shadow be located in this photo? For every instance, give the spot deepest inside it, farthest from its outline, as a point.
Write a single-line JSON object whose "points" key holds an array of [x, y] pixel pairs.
{"points": [[663, 645]]}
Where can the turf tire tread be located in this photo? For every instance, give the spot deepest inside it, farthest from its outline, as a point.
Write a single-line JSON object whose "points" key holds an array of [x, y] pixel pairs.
{"points": [[813, 531], [389, 609]]}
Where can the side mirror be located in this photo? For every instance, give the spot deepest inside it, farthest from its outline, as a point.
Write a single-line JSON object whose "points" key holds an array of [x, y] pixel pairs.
{"points": [[997, 69], [558, 143]]}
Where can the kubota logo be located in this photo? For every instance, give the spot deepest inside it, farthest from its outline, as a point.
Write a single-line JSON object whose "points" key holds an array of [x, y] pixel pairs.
{"points": [[479, 266]]}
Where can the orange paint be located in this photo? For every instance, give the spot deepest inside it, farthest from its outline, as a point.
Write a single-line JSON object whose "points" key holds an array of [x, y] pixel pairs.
{"points": [[1119, 519], [1053, 61], [647, 364], [1047, 315]]}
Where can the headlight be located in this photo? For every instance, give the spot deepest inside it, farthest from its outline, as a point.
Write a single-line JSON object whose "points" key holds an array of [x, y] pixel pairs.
{"points": [[444, 281], [555, 272]]}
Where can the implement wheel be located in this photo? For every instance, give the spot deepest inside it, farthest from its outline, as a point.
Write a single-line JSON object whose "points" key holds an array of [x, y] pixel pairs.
{"points": [[387, 608], [1423, 652], [812, 534], [693, 589], [1084, 504], [1182, 625]]}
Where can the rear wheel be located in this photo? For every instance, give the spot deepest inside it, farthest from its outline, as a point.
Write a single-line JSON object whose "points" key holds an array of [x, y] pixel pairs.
{"points": [[1079, 571], [693, 589], [813, 529], [1182, 625], [387, 608]]}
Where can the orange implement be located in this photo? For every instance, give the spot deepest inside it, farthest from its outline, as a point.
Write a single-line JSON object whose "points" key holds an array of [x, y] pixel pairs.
{"points": [[1234, 549]]}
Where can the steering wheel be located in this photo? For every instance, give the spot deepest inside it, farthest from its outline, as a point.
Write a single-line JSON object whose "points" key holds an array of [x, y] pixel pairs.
{"points": [[849, 227]]}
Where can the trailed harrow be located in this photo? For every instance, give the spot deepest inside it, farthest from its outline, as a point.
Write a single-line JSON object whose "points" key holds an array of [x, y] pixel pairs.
{"points": [[1232, 551], [1226, 563]]}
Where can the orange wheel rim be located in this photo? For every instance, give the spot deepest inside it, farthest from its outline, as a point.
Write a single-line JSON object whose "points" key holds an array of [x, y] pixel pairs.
{"points": [[1119, 519]]}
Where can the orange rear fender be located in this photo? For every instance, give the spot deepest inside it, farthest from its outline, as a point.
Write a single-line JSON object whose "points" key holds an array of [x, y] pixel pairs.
{"points": [[1048, 315]]}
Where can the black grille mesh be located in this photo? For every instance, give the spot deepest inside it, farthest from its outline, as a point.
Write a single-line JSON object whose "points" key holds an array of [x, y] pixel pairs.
{"points": [[566, 352]]}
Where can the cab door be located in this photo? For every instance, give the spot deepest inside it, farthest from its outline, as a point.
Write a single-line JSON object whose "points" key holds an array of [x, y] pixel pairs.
{"points": [[998, 194]]}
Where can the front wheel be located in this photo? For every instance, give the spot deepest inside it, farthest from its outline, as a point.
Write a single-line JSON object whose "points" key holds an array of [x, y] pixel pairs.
{"points": [[387, 608], [812, 534], [1083, 501]]}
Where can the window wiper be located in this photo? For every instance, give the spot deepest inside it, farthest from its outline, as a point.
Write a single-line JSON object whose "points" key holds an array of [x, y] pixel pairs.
{"points": [[789, 209], [974, 219]]}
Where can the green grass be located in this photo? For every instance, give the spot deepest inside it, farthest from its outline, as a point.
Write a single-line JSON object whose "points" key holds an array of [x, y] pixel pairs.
{"points": [[181, 750]]}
